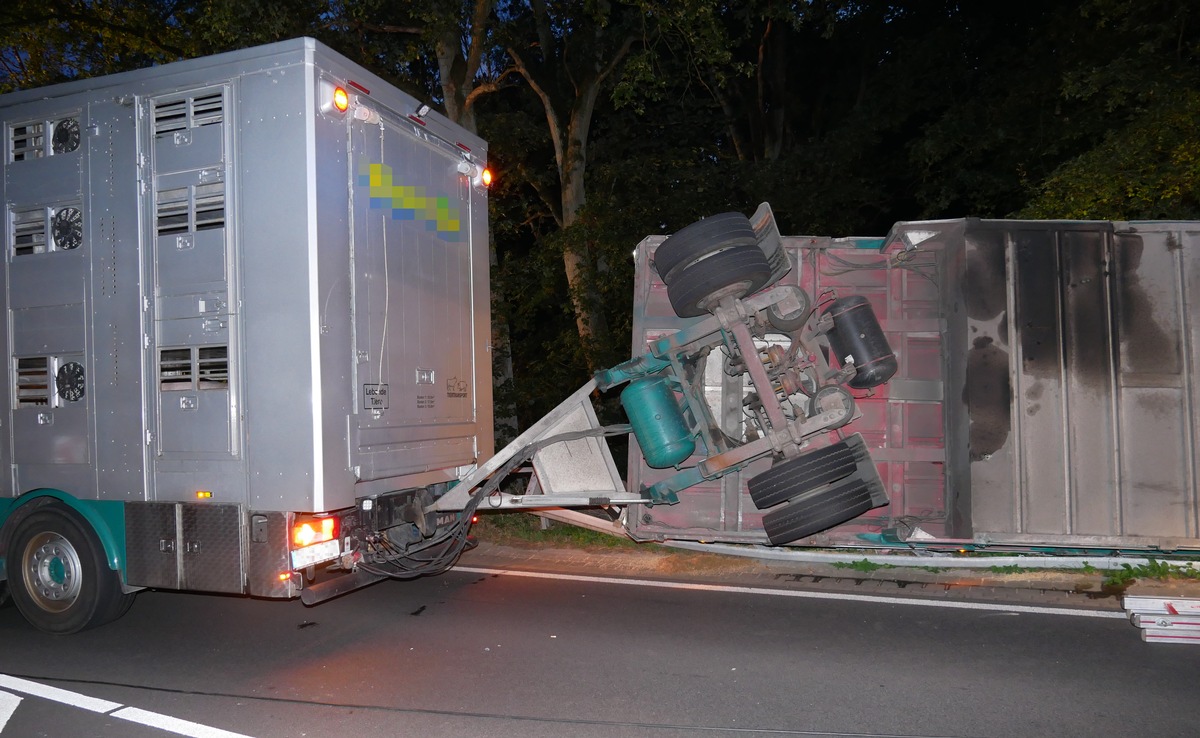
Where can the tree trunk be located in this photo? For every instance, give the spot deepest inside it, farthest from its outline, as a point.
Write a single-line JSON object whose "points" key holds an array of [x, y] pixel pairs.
{"points": [[570, 152], [460, 90]]}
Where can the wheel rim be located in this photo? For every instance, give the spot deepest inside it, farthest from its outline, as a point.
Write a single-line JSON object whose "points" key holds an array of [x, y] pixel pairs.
{"points": [[52, 572]]}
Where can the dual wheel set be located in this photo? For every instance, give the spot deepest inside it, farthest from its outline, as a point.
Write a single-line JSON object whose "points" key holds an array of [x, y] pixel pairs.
{"points": [[721, 257]]}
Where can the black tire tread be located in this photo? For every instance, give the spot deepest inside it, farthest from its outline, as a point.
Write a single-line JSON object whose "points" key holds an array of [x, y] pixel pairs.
{"points": [[723, 269], [796, 476], [818, 511], [703, 237]]}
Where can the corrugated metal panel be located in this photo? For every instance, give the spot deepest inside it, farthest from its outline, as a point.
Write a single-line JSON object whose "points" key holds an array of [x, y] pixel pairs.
{"points": [[1046, 393], [1096, 337]]}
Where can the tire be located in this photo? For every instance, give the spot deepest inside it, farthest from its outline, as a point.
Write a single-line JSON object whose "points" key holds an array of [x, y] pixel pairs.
{"points": [[820, 510], [741, 270], [796, 476], [704, 237], [58, 575]]}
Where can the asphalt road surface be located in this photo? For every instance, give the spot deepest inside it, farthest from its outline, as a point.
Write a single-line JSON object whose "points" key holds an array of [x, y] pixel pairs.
{"points": [[475, 653]]}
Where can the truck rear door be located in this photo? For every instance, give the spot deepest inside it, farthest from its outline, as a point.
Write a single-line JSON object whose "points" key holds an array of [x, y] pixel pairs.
{"points": [[413, 301]]}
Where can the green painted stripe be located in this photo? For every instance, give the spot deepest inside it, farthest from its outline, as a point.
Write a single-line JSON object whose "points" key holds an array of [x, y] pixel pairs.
{"points": [[107, 518]]}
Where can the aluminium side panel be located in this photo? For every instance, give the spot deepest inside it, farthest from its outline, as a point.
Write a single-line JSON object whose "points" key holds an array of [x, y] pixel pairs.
{"points": [[192, 208], [421, 380], [364, 266], [239, 285], [278, 269], [1091, 441], [72, 333]]}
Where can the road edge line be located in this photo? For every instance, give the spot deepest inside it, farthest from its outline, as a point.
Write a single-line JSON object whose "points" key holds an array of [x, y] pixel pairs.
{"points": [[802, 594]]}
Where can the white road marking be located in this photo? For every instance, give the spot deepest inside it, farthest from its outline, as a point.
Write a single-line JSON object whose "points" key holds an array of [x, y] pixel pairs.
{"points": [[1031, 609], [172, 725], [55, 694], [8, 705], [112, 709]]}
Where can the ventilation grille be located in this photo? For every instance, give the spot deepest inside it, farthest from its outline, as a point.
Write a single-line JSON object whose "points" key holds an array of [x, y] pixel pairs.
{"points": [[175, 369], [210, 206], [33, 381], [188, 209], [202, 367], [29, 231], [27, 141], [212, 367], [190, 112]]}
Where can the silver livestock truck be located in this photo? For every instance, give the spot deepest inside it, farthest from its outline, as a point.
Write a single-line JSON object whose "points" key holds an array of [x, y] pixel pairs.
{"points": [[247, 348], [238, 290]]}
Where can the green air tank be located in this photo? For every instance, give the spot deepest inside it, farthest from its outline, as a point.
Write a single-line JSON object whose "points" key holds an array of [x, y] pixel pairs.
{"points": [[657, 422]]}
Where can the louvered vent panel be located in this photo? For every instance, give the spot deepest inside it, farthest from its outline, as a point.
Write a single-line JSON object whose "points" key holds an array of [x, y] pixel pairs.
{"points": [[29, 231], [202, 367], [208, 109], [190, 112], [210, 206], [170, 116], [27, 141], [175, 369], [33, 381], [173, 215], [213, 367]]}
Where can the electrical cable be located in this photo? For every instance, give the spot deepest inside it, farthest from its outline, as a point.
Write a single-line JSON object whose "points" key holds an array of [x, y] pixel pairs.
{"points": [[406, 565]]}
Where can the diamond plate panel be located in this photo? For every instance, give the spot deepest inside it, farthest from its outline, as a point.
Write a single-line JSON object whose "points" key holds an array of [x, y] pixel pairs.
{"points": [[267, 556], [151, 546], [212, 548]]}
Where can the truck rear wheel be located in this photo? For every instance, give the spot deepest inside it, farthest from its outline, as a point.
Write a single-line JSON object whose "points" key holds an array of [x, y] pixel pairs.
{"points": [[737, 271], [57, 574], [818, 510], [704, 237]]}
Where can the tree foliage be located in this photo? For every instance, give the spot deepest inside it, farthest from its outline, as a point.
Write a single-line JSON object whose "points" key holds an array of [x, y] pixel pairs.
{"points": [[610, 120]]}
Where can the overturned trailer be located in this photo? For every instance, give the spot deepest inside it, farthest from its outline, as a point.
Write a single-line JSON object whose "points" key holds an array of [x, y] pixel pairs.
{"points": [[1047, 392]]}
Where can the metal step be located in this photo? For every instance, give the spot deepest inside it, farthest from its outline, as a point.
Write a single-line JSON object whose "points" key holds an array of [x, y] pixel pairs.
{"points": [[1162, 605], [1165, 619]]}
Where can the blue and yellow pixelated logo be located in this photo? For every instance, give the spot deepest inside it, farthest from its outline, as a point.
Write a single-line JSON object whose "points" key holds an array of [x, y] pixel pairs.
{"points": [[409, 202]]}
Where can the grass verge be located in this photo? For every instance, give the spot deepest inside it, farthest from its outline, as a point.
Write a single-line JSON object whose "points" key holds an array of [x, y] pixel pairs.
{"points": [[526, 529]]}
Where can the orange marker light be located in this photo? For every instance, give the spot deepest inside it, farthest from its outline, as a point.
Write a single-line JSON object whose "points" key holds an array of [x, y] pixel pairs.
{"points": [[284, 576], [341, 99], [487, 177]]}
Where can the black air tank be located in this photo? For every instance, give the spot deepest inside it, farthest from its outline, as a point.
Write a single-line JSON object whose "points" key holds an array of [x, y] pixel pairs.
{"points": [[856, 337]]}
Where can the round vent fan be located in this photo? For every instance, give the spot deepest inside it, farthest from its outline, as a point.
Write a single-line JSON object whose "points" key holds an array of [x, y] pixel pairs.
{"points": [[66, 136], [69, 381], [67, 229]]}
